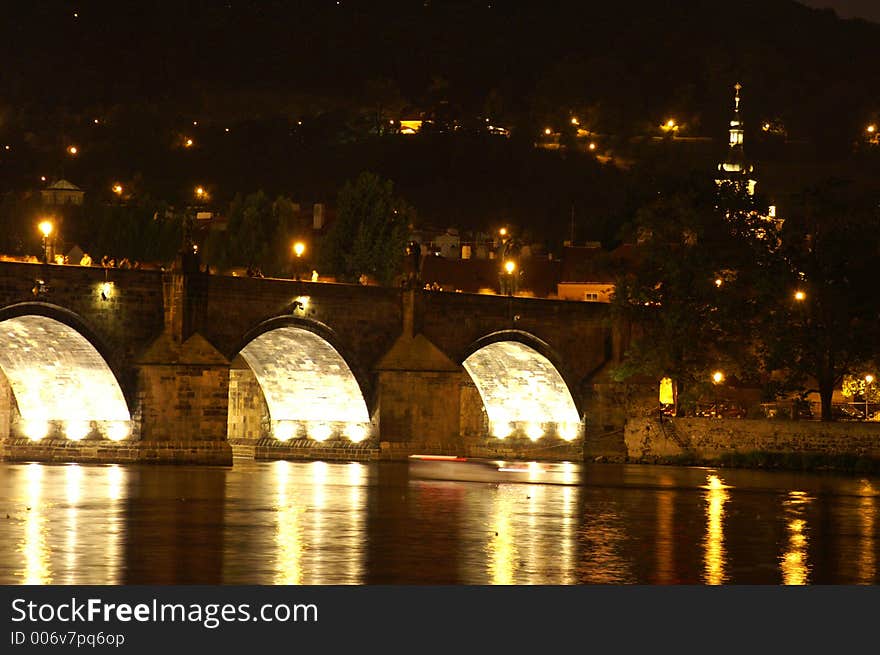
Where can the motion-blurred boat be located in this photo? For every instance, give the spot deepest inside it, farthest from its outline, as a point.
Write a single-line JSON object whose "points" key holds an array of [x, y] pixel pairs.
{"points": [[467, 469]]}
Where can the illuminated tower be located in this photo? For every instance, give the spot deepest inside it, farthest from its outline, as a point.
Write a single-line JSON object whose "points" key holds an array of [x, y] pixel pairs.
{"points": [[735, 168]]}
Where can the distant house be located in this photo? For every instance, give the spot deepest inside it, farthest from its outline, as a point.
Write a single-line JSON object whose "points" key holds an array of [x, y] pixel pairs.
{"points": [[589, 272], [62, 192]]}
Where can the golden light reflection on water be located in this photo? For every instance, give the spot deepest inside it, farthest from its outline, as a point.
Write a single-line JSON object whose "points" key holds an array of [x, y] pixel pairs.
{"points": [[34, 545], [713, 545], [502, 551], [73, 484], [602, 535], [794, 561], [115, 480], [289, 536], [868, 548], [566, 534], [320, 523], [664, 541], [57, 529]]}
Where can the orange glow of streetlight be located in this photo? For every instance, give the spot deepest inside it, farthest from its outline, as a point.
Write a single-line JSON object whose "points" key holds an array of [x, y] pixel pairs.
{"points": [[574, 120], [188, 143], [592, 146], [503, 231], [200, 192], [548, 131], [718, 281], [510, 266], [117, 189], [72, 151], [299, 248], [871, 128], [718, 377], [46, 228], [800, 295]]}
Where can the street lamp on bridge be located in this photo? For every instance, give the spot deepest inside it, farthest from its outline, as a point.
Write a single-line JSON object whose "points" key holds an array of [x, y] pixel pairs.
{"points": [[46, 229], [298, 249]]}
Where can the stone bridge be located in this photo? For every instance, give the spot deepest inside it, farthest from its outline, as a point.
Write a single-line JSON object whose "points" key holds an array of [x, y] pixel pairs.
{"points": [[125, 365]]}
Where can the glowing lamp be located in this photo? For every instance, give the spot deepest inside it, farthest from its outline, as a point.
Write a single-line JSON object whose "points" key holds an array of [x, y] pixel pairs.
{"points": [[35, 430], [534, 431], [871, 128], [117, 189], [510, 266], [567, 431], [718, 377], [117, 430], [548, 131], [299, 248], [320, 431], [76, 430], [799, 295], [46, 228], [356, 432], [284, 430], [869, 378], [72, 150], [502, 430]]}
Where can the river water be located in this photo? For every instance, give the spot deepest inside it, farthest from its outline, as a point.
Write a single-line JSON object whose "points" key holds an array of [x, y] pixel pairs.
{"points": [[351, 523]]}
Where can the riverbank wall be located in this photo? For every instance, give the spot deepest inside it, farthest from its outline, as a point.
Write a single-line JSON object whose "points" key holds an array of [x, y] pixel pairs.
{"points": [[754, 443]]}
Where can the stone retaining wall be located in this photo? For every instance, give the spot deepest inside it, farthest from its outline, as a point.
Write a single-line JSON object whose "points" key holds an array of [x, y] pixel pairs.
{"points": [[649, 440], [104, 451]]}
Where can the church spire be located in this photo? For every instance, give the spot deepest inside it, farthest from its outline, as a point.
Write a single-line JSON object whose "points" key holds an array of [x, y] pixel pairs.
{"points": [[735, 168]]}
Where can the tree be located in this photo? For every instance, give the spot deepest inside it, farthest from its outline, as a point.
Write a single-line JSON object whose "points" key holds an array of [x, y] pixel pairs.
{"points": [[830, 246], [695, 294], [370, 231], [259, 235]]}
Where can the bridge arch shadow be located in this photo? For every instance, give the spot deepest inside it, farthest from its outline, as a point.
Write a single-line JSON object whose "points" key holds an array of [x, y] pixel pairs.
{"points": [[309, 384], [61, 377], [518, 378]]}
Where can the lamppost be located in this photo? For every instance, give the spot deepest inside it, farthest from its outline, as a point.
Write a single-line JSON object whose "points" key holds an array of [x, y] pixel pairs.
{"points": [[298, 249], [510, 278], [46, 228], [868, 380], [717, 378]]}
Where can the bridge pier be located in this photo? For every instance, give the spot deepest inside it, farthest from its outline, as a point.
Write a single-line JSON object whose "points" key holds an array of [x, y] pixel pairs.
{"points": [[183, 403]]}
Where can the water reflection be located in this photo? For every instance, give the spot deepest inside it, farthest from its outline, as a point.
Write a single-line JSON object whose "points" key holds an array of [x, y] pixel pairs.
{"points": [[289, 531], [794, 561], [502, 552], [868, 540], [319, 524], [35, 543], [602, 539], [349, 523], [665, 541], [714, 558]]}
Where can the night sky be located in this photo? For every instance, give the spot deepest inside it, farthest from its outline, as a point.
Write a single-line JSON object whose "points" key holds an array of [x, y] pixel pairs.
{"points": [[867, 9]]}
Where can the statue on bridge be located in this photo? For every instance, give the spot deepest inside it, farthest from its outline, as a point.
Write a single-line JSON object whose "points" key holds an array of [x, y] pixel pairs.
{"points": [[413, 266]]}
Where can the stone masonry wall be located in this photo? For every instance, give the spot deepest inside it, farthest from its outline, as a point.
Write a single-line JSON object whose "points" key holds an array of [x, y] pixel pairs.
{"points": [[649, 440], [248, 413]]}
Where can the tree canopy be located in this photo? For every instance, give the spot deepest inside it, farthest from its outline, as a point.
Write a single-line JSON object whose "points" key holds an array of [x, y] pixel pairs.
{"points": [[369, 234]]}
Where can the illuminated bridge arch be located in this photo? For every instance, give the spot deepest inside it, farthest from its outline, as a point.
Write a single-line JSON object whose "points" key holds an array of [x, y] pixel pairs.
{"points": [[60, 380], [522, 390], [309, 388]]}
